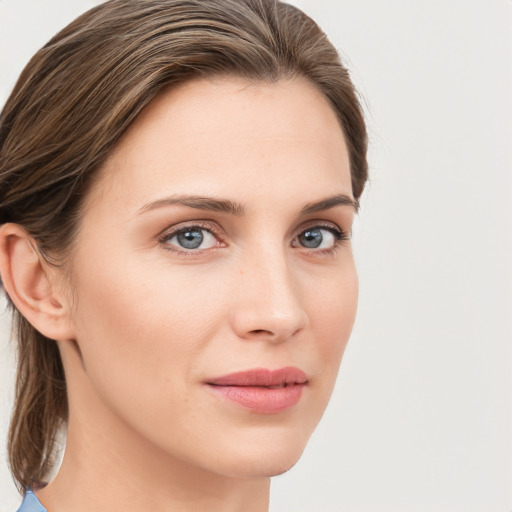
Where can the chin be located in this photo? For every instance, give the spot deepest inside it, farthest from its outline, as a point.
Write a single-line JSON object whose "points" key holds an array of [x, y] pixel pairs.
{"points": [[263, 468], [264, 461]]}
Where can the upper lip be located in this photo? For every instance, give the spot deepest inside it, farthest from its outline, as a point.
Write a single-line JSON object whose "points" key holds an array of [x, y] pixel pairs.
{"points": [[262, 377]]}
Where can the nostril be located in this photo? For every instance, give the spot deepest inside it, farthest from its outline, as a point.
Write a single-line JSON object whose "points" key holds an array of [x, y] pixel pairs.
{"points": [[261, 331]]}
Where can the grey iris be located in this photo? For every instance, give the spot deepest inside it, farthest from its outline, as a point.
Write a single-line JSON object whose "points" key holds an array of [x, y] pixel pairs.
{"points": [[311, 238], [190, 239]]}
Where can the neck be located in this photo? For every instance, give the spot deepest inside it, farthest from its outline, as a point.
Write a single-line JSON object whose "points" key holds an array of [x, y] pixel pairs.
{"points": [[109, 467], [75, 488]]}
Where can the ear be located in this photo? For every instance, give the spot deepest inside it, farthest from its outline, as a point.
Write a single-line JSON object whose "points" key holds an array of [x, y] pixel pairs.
{"points": [[31, 284]]}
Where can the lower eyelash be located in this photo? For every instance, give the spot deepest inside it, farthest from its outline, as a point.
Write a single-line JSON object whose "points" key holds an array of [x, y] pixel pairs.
{"points": [[168, 235], [339, 239], [339, 235], [342, 236]]}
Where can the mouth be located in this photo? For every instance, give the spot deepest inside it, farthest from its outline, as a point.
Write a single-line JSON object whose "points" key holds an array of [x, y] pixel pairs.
{"points": [[261, 390]]}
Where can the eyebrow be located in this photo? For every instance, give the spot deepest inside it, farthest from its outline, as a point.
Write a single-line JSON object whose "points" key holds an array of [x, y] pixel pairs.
{"points": [[226, 206], [199, 202], [330, 202]]}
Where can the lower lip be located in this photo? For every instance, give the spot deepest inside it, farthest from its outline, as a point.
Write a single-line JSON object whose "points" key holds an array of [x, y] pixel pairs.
{"points": [[261, 399]]}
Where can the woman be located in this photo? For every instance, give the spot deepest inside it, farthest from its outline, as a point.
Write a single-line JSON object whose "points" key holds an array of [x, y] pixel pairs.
{"points": [[178, 181]]}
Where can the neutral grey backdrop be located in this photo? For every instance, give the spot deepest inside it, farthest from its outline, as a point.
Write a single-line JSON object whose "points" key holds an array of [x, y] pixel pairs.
{"points": [[421, 417]]}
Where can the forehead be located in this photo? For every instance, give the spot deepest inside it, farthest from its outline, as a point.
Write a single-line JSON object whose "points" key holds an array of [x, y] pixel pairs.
{"points": [[223, 136]]}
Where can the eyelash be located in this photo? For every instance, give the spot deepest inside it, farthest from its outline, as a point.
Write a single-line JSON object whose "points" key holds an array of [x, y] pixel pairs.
{"points": [[339, 237], [197, 225]]}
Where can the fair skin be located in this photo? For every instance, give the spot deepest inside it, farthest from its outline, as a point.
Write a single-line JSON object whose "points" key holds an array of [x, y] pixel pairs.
{"points": [[145, 323]]}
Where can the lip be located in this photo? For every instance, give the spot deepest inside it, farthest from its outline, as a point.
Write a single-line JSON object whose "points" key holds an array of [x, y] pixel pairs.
{"points": [[261, 390]]}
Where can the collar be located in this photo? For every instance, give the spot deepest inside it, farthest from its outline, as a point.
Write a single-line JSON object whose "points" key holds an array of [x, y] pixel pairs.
{"points": [[31, 503]]}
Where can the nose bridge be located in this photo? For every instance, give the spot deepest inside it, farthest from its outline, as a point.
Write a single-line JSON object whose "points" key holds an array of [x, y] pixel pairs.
{"points": [[269, 302]]}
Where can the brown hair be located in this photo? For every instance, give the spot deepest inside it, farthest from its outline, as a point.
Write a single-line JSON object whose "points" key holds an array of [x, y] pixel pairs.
{"points": [[76, 98]]}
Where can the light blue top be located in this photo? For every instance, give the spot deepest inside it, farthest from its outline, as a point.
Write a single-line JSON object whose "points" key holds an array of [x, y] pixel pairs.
{"points": [[31, 503]]}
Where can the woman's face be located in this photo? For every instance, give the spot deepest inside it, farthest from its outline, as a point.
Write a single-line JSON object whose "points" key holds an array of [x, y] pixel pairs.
{"points": [[213, 265]]}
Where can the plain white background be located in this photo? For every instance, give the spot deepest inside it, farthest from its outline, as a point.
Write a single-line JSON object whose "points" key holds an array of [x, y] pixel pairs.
{"points": [[421, 417]]}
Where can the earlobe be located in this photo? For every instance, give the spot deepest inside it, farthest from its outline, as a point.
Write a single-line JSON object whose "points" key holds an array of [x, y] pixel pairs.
{"points": [[30, 283]]}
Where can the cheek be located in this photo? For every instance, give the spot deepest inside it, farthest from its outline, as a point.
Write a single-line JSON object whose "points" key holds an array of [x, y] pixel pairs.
{"points": [[145, 327], [333, 311], [143, 336], [139, 329]]}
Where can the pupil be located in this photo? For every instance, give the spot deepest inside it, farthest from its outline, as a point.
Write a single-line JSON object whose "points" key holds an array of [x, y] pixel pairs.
{"points": [[311, 238], [191, 239]]}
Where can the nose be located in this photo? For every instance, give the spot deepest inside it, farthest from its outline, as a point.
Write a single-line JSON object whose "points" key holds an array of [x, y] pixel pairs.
{"points": [[268, 302]]}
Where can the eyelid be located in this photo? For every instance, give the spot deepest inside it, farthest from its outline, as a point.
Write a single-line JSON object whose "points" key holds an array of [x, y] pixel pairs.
{"points": [[339, 234], [219, 234], [174, 230], [323, 224]]}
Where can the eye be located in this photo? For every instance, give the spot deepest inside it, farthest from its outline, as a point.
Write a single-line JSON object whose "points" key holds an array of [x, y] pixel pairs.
{"points": [[318, 237], [191, 238]]}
